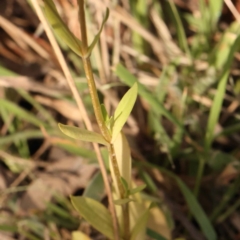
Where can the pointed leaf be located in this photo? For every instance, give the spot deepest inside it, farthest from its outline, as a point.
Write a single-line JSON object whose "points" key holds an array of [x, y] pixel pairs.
{"points": [[140, 225], [197, 211], [137, 189], [95, 213], [122, 201], [82, 134], [95, 40], [194, 206], [95, 189], [126, 77], [60, 27], [125, 185], [123, 110]]}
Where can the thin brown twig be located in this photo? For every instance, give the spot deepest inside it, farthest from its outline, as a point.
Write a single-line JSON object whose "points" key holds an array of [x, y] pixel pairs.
{"points": [[233, 10]]}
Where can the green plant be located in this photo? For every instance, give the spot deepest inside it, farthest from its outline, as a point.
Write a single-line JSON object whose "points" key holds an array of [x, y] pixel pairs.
{"points": [[132, 213]]}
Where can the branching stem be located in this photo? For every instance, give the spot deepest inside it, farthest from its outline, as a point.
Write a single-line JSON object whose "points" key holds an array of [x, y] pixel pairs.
{"points": [[94, 97]]}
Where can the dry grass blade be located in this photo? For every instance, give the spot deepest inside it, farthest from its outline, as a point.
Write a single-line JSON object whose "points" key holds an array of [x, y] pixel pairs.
{"points": [[29, 84], [21, 38], [129, 21], [233, 10], [67, 109], [164, 34]]}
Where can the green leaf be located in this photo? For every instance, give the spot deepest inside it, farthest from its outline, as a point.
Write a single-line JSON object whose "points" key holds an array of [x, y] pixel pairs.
{"points": [[137, 189], [96, 38], [82, 134], [21, 113], [60, 27], [123, 110], [95, 213], [140, 225], [77, 235], [197, 211], [122, 201], [104, 113], [95, 188], [125, 184], [193, 204]]}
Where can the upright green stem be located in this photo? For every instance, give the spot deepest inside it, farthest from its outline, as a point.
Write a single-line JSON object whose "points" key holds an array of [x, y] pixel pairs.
{"points": [[100, 120], [83, 29], [116, 171], [95, 99], [89, 74], [125, 207], [94, 96], [126, 221], [97, 108]]}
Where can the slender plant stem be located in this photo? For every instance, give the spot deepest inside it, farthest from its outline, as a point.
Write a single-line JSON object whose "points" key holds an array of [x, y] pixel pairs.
{"points": [[89, 74], [126, 221], [125, 207], [95, 100], [93, 93], [199, 175], [116, 171], [81, 109], [83, 28]]}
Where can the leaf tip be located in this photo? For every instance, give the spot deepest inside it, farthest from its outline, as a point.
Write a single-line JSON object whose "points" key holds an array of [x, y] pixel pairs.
{"points": [[60, 126]]}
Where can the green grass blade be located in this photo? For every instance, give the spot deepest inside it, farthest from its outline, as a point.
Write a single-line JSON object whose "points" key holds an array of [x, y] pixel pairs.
{"points": [[226, 198], [180, 29], [21, 113], [27, 134], [194, 206], [218, 98], [44, 112], [215, 111], [96, 38], [197, 211]]}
